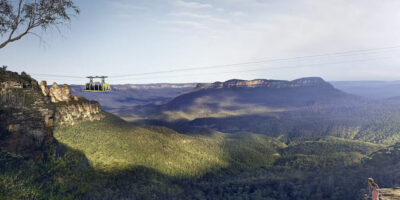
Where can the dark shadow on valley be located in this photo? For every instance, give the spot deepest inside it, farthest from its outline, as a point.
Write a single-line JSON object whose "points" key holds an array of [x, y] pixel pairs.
{"points": [[70, 174], [282, 180]]}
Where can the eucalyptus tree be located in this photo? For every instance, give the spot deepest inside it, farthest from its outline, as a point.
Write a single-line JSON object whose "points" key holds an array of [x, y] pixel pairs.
{"points": [[19, 18]]}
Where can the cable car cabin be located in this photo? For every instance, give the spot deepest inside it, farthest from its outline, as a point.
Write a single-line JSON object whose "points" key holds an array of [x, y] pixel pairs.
{"points": [[97, 86]]}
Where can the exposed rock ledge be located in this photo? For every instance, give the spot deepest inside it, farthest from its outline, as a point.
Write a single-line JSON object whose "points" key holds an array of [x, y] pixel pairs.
{"points": [[264, 83], [73, 113], [58, 94], [29, 112], [70, 109], [389, 193]]}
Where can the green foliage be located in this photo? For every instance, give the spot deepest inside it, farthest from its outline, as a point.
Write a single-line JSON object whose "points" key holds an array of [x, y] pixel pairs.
{"points": [[250, 151], [58, 178], [112, 159], [331, 145], [112, 144]]}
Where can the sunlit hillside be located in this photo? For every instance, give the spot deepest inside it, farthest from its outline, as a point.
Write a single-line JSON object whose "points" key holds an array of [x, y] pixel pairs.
{"points": [[113, 144], [153, 162]]}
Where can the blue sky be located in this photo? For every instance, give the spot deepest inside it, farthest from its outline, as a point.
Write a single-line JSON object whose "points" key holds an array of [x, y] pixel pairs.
{"points": [[119, 37]]}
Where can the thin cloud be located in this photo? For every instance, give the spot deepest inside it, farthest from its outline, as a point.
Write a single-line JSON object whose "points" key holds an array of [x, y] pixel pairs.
{"points": [[185, 23], [191, 4], [237, 13], [208, 18], [126, 10], [126, 6]]}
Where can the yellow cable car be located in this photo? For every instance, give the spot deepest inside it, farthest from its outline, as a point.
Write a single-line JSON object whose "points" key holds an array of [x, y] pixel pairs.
{"points": [[97, 86]]}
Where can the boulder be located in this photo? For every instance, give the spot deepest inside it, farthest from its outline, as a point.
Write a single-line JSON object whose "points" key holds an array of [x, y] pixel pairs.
{"points": [[389, 193]]}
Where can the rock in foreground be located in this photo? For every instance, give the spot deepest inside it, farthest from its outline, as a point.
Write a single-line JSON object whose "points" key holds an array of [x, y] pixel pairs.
{"points": [[390, 193]]}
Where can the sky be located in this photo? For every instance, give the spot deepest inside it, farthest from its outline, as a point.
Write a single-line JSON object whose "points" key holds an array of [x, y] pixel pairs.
{"points": [[128, 40]]}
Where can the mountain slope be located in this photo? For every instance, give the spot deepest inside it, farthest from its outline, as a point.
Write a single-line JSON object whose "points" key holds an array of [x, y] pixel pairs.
{"points": [[213, 165], [113, 144], [235, 94], [303, 109]]}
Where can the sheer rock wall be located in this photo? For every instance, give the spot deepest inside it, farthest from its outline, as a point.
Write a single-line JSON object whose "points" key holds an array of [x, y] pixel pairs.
{"points": [[29, 112], [70, 109]]}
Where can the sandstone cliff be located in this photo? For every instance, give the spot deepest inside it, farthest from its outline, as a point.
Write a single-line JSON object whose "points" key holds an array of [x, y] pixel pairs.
{"points": [[389, 193], [26, 116], [70, 109], [56, 93], [29, 112], [76, 112], [263, 83]]}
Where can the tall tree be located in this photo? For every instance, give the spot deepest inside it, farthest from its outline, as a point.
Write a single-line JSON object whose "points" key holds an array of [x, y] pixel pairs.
{"points": [[19, 17]]}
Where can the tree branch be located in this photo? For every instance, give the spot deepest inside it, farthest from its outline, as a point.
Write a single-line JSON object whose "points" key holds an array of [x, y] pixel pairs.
{"points": [[16, 20], [43, 14], [2, 45]]}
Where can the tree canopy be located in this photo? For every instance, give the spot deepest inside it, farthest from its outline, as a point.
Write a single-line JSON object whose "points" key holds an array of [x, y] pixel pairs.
{"points": [[20, 17]]}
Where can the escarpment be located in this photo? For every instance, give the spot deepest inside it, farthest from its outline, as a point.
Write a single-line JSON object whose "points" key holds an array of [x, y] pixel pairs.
{"points": [[26, 116], [264, 83], [70, 109], [76, 112], [29, 112]]}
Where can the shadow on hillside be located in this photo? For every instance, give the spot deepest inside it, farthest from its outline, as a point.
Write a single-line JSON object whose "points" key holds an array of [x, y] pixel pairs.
{"points": [[243, 178], [70, 175], [303, 124]]}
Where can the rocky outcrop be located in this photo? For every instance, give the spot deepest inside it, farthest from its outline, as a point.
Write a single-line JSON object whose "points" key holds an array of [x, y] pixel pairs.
{"points": [[73, 113], [29, 112], [264, 83], [389, 193], [45, 90], [56, 93], [26, 117], [70, 109]]}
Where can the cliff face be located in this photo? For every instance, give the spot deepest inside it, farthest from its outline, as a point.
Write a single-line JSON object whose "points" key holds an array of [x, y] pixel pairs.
{"points": [[26, 116], [263, 83], [70, 109], [79, 111], [56, 93], [29, 112]]}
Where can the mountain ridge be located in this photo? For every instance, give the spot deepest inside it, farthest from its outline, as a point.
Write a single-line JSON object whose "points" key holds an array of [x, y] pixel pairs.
{"points": [[272, 93], [266, 83]]}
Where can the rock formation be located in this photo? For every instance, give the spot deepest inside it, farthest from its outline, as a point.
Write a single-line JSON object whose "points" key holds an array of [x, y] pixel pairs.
{"points": [[26, 117], [70, 109], [73, 113], [43, 87], [263, 83], [389, 193], [29, 112], [56, 93]]}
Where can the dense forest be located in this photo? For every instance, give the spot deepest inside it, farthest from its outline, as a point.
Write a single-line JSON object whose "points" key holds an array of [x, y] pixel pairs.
{"points": [[150, 163]]}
